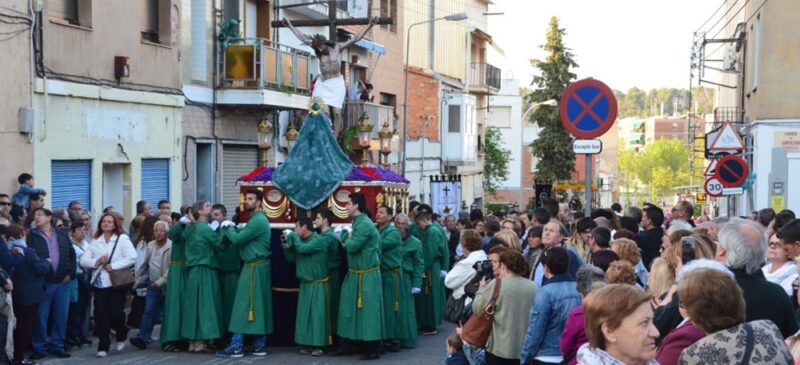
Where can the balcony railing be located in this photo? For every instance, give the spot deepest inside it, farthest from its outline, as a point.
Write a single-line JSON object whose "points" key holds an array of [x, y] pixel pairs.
{"points": [[378, 114], [250, 63], [484, 75], [723, 114]]}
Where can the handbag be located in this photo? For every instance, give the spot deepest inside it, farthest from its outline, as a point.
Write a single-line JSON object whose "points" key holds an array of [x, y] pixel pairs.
{"points": [[120, 278], [478, 328], [456, 311]]}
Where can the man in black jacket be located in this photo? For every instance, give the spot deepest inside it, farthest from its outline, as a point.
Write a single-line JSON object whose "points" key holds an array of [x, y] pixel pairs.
{"points": [[742, 248], [649, 239], [54, 246]]}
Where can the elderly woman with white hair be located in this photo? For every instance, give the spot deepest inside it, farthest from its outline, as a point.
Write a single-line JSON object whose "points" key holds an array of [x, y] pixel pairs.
{"points": [[153, 274], [742, 248]]}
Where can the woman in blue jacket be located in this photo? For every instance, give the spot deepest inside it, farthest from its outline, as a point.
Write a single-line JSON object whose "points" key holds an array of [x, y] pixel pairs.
{"points": [[28, 277]]}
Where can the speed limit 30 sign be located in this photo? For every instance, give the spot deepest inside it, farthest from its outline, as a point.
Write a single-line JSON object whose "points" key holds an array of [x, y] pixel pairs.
{"points": [[713, 187]]}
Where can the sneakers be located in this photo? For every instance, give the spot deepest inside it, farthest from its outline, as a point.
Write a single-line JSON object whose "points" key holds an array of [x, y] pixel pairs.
{"points": [[102, 354], [260, 351], [138, 343], [120, 346], [317, 352], [231, 352], [305, 350]]}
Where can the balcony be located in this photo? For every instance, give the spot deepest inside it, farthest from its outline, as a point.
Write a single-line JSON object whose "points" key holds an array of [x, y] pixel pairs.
{"points": [[724, 114], [378, 114], [259, 71], [484, 78]]}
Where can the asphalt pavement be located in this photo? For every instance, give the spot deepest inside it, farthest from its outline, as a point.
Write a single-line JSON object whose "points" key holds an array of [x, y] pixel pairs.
{"points": [[430, 350]]}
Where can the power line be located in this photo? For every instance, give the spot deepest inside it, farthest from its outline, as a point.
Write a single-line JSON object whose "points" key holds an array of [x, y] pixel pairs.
{"points": [[712, 15]]}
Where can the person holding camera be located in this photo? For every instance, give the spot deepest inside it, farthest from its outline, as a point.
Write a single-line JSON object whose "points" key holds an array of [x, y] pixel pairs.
{"points": [[463, 271]]}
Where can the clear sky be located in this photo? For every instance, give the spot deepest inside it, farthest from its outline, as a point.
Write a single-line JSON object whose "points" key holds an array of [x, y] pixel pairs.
{"points": [[624, 43]]}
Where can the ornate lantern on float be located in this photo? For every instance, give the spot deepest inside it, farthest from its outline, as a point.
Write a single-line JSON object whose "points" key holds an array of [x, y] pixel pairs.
{"points": [[291, 136], [264, 138], [385, 136], [364, 131]]}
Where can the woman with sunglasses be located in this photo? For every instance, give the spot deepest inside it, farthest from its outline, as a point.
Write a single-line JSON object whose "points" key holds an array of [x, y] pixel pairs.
{"points": [[780, 269]]}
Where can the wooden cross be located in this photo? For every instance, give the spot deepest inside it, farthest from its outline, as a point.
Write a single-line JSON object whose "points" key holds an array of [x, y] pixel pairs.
{"points": [[332, 22]]}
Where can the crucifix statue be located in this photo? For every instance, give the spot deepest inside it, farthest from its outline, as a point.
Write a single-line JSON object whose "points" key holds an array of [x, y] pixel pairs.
{"points": [[330, 87]]}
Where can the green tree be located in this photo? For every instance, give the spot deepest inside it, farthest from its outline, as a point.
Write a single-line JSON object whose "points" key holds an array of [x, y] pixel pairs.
{"points": [[553, 148], [663, 165], [626, 161], [495, 161], [633, 105]]}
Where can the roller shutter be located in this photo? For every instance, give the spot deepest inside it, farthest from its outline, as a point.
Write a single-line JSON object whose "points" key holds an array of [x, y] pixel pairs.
{"points": [[155, 180], [237, 160], [71, 180]]}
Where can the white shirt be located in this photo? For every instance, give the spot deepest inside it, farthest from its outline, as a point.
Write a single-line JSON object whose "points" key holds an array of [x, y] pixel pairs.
{"points": [[784, 276], [124, 257], [462, 272]]}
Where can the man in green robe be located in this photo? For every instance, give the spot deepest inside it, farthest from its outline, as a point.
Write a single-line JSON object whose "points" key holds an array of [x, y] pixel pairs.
{"points": [[201, 321], [361, 303], [309, 252], [229, 266], [413, 265], [252, 307], [176, 283], [430, 304], [323, 224], [391, 272]]}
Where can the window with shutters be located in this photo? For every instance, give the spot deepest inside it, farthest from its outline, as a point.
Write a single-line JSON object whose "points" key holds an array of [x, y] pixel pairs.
{"points": [[71, 180], [155, 179], [454, 118], [70, 12]]}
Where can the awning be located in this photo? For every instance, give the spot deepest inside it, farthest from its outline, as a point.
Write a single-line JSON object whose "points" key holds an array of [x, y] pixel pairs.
{"points": [[478, 32], [363, 43]]}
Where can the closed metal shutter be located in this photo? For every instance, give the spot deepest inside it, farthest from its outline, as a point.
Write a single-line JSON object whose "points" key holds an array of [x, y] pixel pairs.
{"points": [[71, 180], [155, 180], [149, 14], [237, 160], [250, 14]]}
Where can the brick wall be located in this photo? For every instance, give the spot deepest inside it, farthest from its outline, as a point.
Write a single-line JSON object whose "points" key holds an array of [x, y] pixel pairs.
{"points": [[423, 99]]}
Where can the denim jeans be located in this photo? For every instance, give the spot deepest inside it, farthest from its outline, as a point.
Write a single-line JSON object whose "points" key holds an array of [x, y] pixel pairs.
{"points": [[153, 302], [237, 341], [55, 303]]}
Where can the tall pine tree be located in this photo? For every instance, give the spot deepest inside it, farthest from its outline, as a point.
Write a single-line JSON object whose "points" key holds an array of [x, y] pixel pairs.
{"points": [[553, 148]]}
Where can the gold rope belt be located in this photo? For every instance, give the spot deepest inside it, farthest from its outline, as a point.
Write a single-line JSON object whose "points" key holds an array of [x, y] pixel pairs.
{"points": [[325, 281], [428, 283], [396, 273], [285, 290], [252, 265], [360, 273]]}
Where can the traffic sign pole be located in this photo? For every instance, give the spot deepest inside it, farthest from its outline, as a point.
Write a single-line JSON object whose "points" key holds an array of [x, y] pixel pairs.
{"points": [[587, 187]]}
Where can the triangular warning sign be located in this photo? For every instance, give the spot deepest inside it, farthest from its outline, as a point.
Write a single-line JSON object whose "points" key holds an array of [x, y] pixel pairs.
{"points": [[727, 139], [711, 169]]}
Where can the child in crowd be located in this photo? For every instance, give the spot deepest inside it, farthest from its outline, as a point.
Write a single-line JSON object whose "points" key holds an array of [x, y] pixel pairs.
{"points": [[23, 196], [455, 351]]}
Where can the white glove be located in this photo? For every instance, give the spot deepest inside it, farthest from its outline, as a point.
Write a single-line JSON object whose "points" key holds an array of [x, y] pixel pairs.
{"points": [[416, 290], [240, 225], [184, 220], [337, 232], [442, 274], [214, 225], [226, 224], [287, 231]]}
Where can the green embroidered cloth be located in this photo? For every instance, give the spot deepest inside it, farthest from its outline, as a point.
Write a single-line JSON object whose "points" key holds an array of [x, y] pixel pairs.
{"points": [[316, 165]]}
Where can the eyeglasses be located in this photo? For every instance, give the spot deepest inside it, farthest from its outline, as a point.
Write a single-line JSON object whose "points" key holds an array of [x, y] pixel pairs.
{"points": [[774, 244], [8, 204]]}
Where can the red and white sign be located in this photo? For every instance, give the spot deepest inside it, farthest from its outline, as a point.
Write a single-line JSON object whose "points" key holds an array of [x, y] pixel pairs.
{"points": [[711, 169], [713, 187], [727, 139]]}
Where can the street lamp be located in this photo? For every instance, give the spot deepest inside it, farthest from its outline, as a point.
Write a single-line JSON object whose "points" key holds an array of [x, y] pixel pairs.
{"points": [[385, 136], [534, 106], [453, 18], [264, 139], [364, 130]]}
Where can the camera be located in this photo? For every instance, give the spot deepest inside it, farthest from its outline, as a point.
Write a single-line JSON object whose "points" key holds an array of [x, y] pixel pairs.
{"points": [[484, 269]]}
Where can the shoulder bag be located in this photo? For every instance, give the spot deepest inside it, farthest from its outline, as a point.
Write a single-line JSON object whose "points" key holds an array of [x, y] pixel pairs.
{"points": [[478, 328], [120, 278]]}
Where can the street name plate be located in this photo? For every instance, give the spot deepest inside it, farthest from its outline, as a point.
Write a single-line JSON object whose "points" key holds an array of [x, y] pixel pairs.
{"points": [[587, 146], [732, 191]]}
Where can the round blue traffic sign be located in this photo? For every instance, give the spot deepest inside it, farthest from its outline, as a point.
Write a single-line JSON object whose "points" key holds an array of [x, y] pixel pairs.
{"points": [[732, 171], [588, 108]]}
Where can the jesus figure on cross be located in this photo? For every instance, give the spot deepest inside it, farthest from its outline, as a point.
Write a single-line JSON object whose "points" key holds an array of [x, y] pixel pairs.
{"points": [[330, 86]]}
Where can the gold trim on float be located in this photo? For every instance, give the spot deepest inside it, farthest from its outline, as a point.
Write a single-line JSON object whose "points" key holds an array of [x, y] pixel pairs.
{"points": [[339, 211], [275, 211]]}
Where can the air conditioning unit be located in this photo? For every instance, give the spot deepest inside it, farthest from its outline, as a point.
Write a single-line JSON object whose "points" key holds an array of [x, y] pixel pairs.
{"points": [[729, 58]]}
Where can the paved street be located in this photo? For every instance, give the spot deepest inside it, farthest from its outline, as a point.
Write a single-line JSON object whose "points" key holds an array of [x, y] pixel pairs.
{"points": [[430, 350]]}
